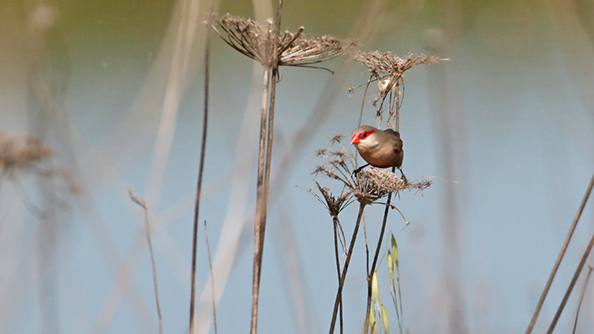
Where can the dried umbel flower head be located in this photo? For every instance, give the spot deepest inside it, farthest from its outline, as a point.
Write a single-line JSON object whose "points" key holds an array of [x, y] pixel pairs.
{"points": [[338, 164], [20, 153], [374, 183], [388, 71], [334, 204], [292, 49], [377, 183]]}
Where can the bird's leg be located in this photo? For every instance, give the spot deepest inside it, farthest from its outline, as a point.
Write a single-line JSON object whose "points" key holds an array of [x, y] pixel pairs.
{"points": [[402, 176], [356, 171]]}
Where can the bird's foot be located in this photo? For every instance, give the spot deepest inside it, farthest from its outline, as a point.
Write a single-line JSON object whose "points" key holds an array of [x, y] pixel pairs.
{"points": [[403, 177], [356, 171]]}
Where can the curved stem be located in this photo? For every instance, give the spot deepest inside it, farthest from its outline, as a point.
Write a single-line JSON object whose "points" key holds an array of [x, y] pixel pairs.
{"points": [[201, 168], [560, 257], [338, 300], [576, 275]]}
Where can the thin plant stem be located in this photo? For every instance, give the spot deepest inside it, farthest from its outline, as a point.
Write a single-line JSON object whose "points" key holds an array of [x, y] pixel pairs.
{"points": [[150, 245], [214, 304], [367, 319], [560, 257], [376, 256], [577, 314], [366, 244], [363, 102], [336, 253], [346, 268], [201, 166], [576, 275], [142, 204], [265, 156], [269, 139], [258, 238], [382, 231]]}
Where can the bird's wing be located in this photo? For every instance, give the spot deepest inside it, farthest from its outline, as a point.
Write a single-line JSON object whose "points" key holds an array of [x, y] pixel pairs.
{"points": [[392, 132], [398, 141]]}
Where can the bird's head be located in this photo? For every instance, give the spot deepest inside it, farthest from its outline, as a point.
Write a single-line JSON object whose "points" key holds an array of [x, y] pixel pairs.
{"points": [[362, 133]]}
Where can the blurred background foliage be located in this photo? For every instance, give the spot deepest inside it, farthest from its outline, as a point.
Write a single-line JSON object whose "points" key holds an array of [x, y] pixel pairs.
{"points": [[114, 90]]}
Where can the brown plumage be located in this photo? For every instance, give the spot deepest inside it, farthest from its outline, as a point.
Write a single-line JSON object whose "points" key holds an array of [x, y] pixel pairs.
{"points": [[380, 148]]}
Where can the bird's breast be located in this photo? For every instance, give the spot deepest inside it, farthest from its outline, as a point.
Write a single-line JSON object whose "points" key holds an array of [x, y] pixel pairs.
{"points": [[382, 156]]}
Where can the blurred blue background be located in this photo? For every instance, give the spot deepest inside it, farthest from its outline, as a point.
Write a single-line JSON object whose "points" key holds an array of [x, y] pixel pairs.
{"points": [[115, 90]]}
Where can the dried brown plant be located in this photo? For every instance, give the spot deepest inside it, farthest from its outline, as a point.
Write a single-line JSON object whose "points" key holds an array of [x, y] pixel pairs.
{"points": [[272, 49], [388, 71], [147, 227], [21, 153], [255, 41], [334, 204], [377, 183], [367, 186]]}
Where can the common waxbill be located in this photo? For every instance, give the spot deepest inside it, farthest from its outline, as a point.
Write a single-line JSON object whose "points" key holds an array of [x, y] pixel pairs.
{"points": [[380, 148]]}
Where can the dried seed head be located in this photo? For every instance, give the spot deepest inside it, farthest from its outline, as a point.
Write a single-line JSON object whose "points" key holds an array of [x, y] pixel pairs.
{"points": [[334, 204], [318, 170], [246, 36], [321, 152], [339, 155], [388, 71], [20, 152], [337, 138], [382, 179], [338, 164], [383, 64], [377, 183], [302, 51], [373, 184], [292, 49]]}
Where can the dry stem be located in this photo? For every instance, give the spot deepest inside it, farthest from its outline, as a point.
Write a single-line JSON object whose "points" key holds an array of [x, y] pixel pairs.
{"points": [[261, 203], [376, 255], [200, 168], [337, 256], [582, 295], [560, 257], [576, 275], [265, 151], [214, 304], [142, 204], [346, 267]]}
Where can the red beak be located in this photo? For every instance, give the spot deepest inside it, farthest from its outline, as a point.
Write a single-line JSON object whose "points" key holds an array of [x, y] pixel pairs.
{"points": [[355, 139]]}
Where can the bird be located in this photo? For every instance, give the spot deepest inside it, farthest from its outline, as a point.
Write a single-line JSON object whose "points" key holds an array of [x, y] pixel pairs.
{"points": [[380, 148]]}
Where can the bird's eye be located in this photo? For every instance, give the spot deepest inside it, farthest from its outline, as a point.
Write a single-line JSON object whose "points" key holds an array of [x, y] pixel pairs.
{"points": [[364, 135]]}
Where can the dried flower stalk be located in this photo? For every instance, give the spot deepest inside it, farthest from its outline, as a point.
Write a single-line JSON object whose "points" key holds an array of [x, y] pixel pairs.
{"points": [[388, 71], [272, 49], [367, 187]]}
